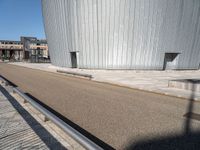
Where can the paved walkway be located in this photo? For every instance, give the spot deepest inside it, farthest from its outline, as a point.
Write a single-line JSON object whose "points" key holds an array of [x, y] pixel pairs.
{"points": [[155, 81], [19, 130]]}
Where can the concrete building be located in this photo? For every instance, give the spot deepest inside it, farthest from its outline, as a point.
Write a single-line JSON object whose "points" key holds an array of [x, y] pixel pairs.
{"points": [[123, 34], [35, 50], [11, 50], [28, 49]]}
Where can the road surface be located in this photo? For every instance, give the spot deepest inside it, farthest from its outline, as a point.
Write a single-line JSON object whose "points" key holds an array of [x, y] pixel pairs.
{"points": [[119, 116]]}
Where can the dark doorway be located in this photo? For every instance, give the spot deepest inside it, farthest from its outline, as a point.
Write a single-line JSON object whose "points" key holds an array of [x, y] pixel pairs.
{"points": [[73, 59], [26, 55], [170, 61], [12, 55]]}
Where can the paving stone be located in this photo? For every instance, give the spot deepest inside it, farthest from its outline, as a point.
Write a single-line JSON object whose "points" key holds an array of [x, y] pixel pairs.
{"points": [[19, 130]]}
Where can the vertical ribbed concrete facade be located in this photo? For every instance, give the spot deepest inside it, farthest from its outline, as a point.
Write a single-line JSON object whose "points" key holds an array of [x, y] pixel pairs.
{"points": [[123, 34]]}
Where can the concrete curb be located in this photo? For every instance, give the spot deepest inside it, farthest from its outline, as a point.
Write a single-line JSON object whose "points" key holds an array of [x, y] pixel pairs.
{"points": [[121, 85], [185, 84], [149, 91], [76, 74]]}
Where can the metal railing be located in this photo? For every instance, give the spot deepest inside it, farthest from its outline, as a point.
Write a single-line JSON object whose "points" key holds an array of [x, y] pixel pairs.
{"points": [[84, 141]]}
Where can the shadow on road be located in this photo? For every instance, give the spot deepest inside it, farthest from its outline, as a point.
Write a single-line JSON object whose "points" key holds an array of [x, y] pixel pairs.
{"points": [[188, 140], [44, 135]]}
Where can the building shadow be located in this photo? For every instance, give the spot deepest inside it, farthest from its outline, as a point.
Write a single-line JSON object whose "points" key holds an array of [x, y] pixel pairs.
{"points": [[42, 133], [188, 140]]}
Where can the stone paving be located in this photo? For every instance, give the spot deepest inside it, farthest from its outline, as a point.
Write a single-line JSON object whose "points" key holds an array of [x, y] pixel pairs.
{"points": [[20, 130], [154, 81]]}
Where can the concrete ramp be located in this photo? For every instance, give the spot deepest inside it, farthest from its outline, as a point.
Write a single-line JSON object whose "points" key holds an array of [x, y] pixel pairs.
{"points": [[186, 84]]}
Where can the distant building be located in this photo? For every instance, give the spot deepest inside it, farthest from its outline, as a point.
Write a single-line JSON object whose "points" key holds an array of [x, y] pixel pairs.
{"points": [[27, 49], [35, 50], [11, 50], [123, 34]]}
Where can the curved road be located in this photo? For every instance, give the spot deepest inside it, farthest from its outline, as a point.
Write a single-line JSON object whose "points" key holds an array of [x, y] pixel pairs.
{"points": [[121, 117]]}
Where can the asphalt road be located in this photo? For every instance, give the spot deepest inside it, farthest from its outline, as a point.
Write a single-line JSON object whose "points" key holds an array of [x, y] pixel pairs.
{"points": [[119, 116]]}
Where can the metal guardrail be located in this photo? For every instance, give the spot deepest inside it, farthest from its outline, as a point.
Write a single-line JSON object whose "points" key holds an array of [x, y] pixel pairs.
{"points": [[76, 73], [84, 141]]}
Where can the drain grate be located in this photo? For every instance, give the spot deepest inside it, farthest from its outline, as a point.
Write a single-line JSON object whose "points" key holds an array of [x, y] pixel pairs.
{"points": [[191, 115]]}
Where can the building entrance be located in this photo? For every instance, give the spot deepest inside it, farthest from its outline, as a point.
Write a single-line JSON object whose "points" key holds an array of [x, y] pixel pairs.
{"points": [[73, 59], [171, 61]]}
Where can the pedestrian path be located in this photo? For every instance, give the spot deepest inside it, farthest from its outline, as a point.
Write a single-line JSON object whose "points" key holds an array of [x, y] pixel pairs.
{"points": [[19, 130]]}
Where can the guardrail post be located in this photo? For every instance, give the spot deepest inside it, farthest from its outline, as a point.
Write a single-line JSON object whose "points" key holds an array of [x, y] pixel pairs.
{"points": [[13, 91], [80, 138], [84, 141], [6, 83], [24, 101], [45, 119]]}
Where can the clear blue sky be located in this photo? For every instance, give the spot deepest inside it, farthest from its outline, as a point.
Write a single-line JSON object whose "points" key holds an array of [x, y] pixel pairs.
{"points": [[20, 18]]}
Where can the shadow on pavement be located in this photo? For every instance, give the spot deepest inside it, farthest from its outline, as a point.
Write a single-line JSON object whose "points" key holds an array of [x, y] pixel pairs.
{"points": [[178, 142], [44, 135], [75, 126], [9, 82], [188, 140], [89, 135]]}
